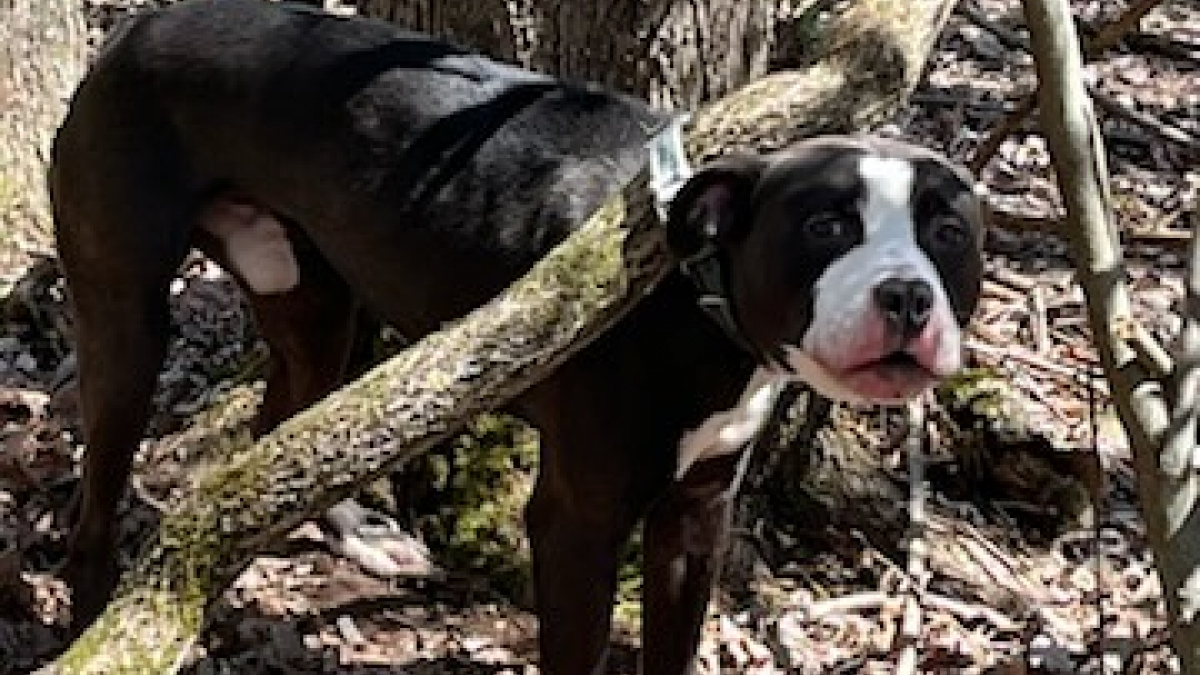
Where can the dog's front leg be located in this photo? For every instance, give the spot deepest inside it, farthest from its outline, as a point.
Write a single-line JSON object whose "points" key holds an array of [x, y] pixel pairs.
{"points": [[575, 565], [686, 533]]}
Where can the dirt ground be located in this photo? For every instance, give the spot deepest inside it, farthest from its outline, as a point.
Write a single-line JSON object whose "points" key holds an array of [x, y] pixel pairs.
{"points": [[1001, 597]]}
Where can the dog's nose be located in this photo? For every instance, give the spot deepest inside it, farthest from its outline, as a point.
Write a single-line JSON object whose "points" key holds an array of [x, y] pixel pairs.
{"points": [[905, 303]]}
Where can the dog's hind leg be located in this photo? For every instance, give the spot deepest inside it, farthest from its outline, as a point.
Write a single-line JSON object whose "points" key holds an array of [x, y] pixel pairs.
{"points": [[315, 331], [304, 310], [121, 347], [319, 337], [310, 329], [121, 235]]}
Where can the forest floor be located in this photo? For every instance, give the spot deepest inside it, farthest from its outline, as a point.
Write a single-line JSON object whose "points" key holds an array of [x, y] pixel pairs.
{"points": [[1001, 597]]}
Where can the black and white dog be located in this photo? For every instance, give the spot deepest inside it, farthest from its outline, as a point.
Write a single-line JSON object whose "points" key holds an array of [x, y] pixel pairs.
{"points": [[337, 165]]}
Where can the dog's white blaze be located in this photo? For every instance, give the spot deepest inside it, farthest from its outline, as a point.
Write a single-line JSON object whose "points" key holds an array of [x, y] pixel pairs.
{"points": [[888, 184], [844, 294], [730, 431]]}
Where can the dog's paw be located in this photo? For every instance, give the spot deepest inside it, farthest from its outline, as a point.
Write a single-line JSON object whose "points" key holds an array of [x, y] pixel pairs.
{"points": [[91, 580]]}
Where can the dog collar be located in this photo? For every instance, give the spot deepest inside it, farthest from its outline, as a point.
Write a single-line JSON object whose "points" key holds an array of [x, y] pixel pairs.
{"points": [[707, 274]]}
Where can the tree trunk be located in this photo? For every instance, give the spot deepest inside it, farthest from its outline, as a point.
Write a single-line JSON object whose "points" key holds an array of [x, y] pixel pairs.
{"points": [[264, 489], [673, 54], [487, 25], [43, 46]]}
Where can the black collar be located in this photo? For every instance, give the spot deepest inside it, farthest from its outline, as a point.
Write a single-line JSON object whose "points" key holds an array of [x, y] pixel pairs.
{"points": [[707, 273], [669, 170]]}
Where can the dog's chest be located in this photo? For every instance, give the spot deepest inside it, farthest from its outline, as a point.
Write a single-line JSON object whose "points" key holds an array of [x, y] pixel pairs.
{"points": [[732, 430]]}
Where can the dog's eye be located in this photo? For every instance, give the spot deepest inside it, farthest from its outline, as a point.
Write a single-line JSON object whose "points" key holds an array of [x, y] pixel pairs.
{"points": [[948, 233], [827, 225]]}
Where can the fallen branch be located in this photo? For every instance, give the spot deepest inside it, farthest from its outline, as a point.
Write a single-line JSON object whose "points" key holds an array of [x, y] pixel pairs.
{"points": [[263, 490], [1167, 132], [1008, 126], [1165, 46]]}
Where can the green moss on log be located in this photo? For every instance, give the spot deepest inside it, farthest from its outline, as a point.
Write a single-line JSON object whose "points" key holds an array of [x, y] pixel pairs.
{"points": [[468, 501]]}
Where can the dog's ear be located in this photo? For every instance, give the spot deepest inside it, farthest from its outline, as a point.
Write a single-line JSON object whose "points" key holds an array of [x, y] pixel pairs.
{"points": [[714, 205]]}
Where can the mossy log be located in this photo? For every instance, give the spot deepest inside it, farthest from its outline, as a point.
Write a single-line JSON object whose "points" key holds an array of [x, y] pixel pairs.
{"points": [[264, 489]]}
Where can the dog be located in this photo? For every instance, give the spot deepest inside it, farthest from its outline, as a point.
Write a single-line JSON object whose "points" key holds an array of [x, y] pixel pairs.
{"points": [[338, 165]]}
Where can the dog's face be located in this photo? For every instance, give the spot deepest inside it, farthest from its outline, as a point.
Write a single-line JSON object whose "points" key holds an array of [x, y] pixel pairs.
{"points": [[853, 262]]}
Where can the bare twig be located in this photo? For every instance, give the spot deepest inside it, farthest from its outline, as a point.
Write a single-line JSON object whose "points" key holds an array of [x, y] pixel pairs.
{"points": [[1006, 127], [846, 604], [971, 611], [1038, 323], [1116, 31], [1179, 447], [1163, 45], [1105, 38], [1173, 239], [1069, 373], [1167, 132], [1008, 38], [918, 554], [1167, 487], [1150, 354]]}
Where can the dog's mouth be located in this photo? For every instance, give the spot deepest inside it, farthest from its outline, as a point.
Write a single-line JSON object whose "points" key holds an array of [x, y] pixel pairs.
{"points": [[897, 360], [898, 365], [873, 367], [892, 377]]}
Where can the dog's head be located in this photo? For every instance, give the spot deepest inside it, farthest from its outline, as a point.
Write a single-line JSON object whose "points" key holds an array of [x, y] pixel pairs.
{"points": [[852, 262]]}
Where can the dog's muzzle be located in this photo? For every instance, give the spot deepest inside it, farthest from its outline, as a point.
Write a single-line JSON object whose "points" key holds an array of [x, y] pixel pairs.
{"points": [[901, 343]]}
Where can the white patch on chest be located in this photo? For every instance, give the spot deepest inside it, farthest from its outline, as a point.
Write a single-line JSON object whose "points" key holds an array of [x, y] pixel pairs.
{"points": [[730, 431]]}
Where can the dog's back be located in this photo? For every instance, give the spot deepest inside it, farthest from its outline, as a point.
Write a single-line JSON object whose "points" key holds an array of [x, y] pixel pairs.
{"points": [[387, 122]]}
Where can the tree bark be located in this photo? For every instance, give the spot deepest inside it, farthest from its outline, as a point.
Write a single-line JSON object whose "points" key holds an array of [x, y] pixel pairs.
{"points": [[43, 47], [674, 54], [1156, 396], [401, 408], [498, 28]]}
